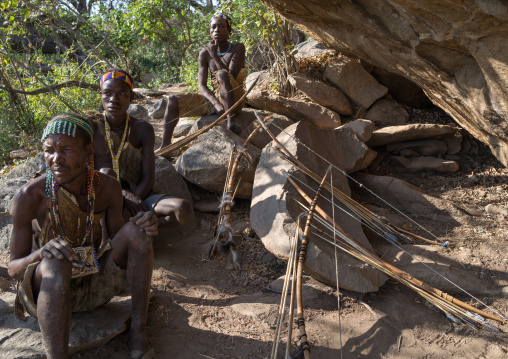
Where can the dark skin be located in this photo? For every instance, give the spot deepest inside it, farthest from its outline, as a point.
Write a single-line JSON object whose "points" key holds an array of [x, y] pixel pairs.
{"points": [[131, 244], [209, 62], [116, 97]]}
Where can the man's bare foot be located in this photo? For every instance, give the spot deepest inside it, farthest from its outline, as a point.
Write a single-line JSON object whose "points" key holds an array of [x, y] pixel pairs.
{"points": [[139, 347]]}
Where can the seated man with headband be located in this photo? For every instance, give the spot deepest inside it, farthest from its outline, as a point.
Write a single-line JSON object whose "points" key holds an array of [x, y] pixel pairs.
{"points": [[72, 266], [125, 150], [225, 62]]}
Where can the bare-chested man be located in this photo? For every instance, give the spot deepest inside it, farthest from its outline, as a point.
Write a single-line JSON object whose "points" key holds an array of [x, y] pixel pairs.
{"points": [[225, 62], [62, 213], [125, 149]]}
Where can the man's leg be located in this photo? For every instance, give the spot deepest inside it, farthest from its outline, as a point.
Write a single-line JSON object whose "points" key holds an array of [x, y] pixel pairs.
{"points": [[227, 95], [173, 211], [170, 120], [132, 250], [51, 289]]}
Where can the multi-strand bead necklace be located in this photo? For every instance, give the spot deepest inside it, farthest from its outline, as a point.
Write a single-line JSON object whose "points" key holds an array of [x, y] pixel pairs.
{"points": [[54, 210]]}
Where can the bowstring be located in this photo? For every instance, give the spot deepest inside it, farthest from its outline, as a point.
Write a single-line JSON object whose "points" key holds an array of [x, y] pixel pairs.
{"points": [[336, 263], [359, 184], [492, 308]]}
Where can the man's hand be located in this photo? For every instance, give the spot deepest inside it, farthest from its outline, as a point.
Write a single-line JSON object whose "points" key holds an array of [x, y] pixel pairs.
{"points": [[58, 248], [212, 48], [133, 203], [219, 108], [148, 222]]}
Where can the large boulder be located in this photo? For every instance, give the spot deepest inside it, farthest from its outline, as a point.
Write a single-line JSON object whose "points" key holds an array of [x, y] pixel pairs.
{"points": [[37, 164], [205, 163], [385, 112], [169, 181], [423, 147], [262, 78], [456, 51], [243, 119], [362, 128], [322, 94], [309, 48], [137, 111], [144, 92], [352, 78], [447, 274], [9, 184], [274, 206], [411, 200], [424, 164], [158, 109], [183, 126], [417, 131], [8, 188], [309, 112], [261, 139]]}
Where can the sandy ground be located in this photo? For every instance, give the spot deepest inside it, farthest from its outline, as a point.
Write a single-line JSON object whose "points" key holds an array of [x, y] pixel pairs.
{"points": [[202, 309]]}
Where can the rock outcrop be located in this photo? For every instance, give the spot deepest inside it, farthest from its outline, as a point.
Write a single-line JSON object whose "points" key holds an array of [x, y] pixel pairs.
{"points": [[351, 77], [455, 51], [23, 339], [205, 163], [274, 207], [322, 94], [309, 112], [418, 131], [411, 200], [169, 181], [387, 113]]}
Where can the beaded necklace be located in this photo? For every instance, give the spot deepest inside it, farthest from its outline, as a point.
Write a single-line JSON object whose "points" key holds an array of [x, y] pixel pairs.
{"points": [[123, 144], [54, 211], [225, 52]]}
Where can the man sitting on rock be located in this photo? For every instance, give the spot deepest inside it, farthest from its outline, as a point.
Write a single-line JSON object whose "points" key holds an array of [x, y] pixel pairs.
{"points": [[225, 62], [73, 267], [125, 150]]}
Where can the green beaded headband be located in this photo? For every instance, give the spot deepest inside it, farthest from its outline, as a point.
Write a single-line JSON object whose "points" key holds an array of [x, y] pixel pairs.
{"points": [[66, 125]]}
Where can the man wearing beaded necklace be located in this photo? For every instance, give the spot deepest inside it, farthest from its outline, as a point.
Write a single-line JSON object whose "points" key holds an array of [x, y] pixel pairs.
{"points": [[75, 267], [225, 62], [125, 149]]}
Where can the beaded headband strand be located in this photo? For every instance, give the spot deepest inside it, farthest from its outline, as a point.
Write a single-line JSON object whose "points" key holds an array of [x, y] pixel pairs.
{"points": [[65, 124], [116, 74], [222, 16]]}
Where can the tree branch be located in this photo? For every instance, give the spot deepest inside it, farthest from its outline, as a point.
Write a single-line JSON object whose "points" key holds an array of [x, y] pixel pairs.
{"points": [[73, 83], [39, 79]]}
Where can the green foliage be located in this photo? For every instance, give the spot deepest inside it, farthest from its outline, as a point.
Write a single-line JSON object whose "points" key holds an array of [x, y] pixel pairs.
{"points": [[252, 21], [161, 37]]}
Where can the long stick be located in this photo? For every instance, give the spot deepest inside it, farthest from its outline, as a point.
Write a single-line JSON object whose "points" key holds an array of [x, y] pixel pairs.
{"points": [[389, 266], [186, 140], [287, 279], [352, 205], [227, 199], [300, 322]]}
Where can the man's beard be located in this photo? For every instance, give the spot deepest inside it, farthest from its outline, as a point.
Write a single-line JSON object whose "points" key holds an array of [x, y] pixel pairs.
{"points": [[73, 178]]}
